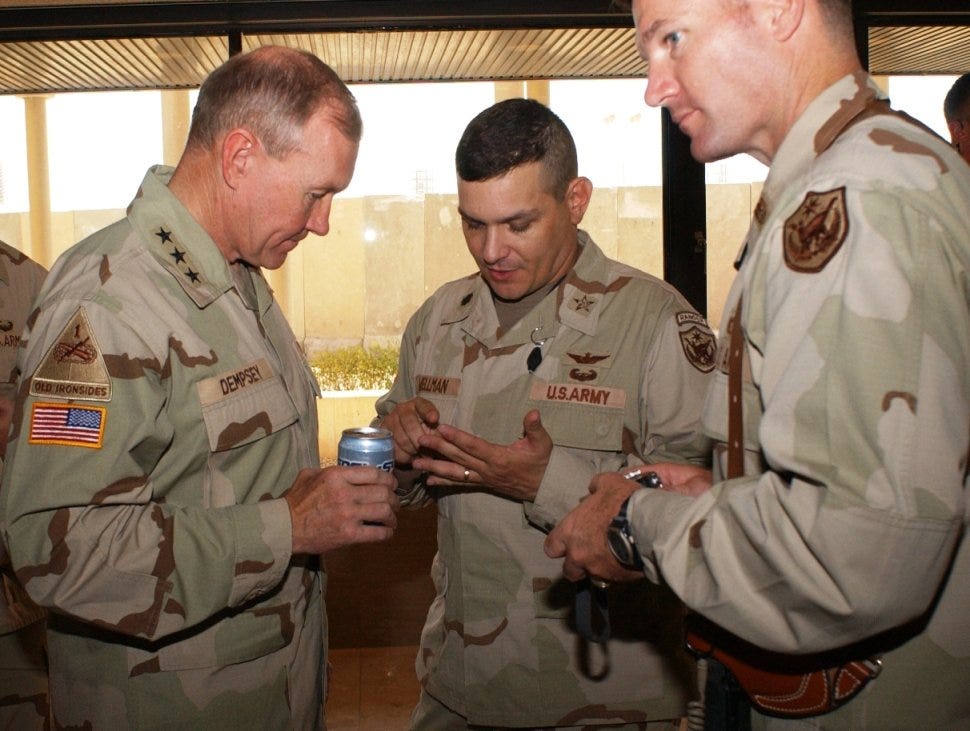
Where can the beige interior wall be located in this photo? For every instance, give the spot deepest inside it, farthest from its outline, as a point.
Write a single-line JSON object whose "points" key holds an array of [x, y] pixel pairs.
{"points": [[385, 255]]}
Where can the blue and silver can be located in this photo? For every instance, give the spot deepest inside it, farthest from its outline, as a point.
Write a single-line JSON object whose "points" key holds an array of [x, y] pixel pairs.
{"points": [[366, 445]]}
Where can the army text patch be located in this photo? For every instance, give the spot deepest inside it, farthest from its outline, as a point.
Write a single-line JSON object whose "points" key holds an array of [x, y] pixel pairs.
{"points": [[68, 425], [815, 232], [73, 368], [611, 398]]}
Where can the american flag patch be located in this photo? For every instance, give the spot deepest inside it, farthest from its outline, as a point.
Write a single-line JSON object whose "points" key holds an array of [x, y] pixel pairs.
{"points": [[72, 426]]}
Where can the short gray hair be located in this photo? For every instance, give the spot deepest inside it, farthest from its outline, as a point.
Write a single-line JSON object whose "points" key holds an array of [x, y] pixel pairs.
{"points": [[271, 91]]}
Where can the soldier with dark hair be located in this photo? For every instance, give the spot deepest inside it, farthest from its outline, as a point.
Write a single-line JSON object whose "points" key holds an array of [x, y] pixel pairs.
{"points": [[956, 109], [163, 495], [517, 384]]}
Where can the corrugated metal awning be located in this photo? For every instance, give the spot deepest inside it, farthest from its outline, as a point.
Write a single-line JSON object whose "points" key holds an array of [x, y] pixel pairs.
{"points": [[81, 46]]}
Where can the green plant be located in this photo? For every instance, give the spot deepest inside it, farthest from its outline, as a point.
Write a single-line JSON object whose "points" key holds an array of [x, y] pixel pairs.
{"points": [[356, 367]]}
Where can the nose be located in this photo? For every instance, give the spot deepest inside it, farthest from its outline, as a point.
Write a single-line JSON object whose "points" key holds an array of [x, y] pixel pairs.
{"points": [[660, 85], [494, 248], [319, 220]]}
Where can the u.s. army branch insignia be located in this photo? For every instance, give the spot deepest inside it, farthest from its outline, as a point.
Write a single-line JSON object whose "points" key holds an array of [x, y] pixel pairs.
{"points": [[815, 232], [73, 367], [697, 340]]}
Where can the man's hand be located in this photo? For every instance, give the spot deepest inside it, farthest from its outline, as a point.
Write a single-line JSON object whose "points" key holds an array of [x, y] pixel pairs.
{"points": [[685, 479], [408, 422], [337, 506], [514, 470], [581, 536]]}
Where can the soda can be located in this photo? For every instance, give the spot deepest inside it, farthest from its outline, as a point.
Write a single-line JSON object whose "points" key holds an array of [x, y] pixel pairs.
{"points": [[366, 445]]}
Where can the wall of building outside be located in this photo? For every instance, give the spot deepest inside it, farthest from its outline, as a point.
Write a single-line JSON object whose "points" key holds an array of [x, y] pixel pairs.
{"points": [[385, 255]]}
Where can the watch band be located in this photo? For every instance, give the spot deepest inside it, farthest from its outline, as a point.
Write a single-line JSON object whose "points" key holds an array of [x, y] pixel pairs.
{"points": [[621, 542]]}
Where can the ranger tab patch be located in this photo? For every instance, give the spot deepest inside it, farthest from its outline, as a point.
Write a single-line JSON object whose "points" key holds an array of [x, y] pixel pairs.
{"points": [[73, 368], [815, 232], [697, 340], [68, 425]]}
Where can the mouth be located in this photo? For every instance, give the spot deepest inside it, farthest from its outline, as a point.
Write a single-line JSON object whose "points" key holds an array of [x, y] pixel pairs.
{"points": [[499, 275], [681, 119]]}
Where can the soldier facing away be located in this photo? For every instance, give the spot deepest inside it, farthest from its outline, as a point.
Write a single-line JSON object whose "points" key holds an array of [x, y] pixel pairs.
{"points": [[23, 660], [163, 496]]}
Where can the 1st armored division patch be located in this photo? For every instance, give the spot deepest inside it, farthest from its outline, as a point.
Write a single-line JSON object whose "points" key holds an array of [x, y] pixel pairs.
{"points": [[73, 367], [815, 232]]}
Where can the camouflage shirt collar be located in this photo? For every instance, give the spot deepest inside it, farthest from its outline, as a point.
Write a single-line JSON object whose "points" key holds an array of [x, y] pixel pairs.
{"points": [[9, 256], [176, 239], [825, 118], [569, 304]]}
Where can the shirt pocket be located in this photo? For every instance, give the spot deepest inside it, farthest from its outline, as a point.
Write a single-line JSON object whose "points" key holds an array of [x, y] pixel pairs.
{"points": [[582, 426], [245, 415]]}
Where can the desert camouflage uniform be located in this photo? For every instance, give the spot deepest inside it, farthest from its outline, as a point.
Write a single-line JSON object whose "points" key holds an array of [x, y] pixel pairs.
{"points": [[857, 406], [162, 544], [621, 381], [23, 668]]}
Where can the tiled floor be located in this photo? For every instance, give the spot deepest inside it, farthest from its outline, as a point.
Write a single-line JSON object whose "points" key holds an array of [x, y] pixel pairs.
{"points": [[377, 598], [371, 689]]}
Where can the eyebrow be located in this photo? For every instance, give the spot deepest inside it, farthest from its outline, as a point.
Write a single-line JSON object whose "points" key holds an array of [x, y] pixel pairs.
{"points": [[651, 30], [528, 213]]}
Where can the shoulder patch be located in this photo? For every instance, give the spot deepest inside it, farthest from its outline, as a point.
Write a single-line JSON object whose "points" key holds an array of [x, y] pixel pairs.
{"points": [[73, 367], [697, 340], [816, 231]]}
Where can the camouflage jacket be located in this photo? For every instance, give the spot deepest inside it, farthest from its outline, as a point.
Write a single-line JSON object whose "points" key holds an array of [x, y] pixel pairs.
{"points": [[165, 407], [621, 381], [847, 523], [20, 281]]}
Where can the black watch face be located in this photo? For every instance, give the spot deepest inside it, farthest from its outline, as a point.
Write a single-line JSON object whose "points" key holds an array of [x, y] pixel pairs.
{"points": [[620, 546]]}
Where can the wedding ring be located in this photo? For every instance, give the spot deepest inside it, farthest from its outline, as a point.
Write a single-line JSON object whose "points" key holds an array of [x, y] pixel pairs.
{"points": [[466, 475]]}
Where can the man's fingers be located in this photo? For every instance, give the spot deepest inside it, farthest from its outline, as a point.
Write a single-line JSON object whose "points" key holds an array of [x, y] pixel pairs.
{"points": [[554, 545]]}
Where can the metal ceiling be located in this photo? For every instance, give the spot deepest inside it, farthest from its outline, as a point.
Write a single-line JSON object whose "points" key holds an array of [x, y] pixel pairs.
{"points": [[152, 45], [898, 51]]}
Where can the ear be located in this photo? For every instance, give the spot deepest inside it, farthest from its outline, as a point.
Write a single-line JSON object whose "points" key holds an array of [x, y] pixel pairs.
{"points": [[578, 195], [238, 150], [785, 16], [956, 130]]}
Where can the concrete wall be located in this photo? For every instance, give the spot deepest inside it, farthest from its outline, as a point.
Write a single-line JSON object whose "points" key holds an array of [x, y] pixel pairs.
{"points": [[385, 255]]}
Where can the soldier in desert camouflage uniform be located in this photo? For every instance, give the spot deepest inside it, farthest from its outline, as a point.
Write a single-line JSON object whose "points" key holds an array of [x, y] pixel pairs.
{"points": [[843, 529], [956, 110], [23, 664], [163, 495], [601, 366]]}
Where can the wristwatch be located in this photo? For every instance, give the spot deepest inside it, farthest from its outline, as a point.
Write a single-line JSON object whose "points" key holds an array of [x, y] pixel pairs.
{"points": [[622, 544]]}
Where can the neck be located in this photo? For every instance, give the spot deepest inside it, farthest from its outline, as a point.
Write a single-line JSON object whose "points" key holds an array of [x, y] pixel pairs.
{"points": [[192, 184]]}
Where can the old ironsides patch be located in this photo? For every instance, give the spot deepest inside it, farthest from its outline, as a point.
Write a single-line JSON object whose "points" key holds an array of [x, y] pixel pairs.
{"points": [[815, 232], [73, 368], [697, 341]]}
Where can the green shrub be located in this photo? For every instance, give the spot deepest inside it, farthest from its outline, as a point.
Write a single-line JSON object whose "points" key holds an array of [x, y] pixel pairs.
{"points": [[354, 368]]}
